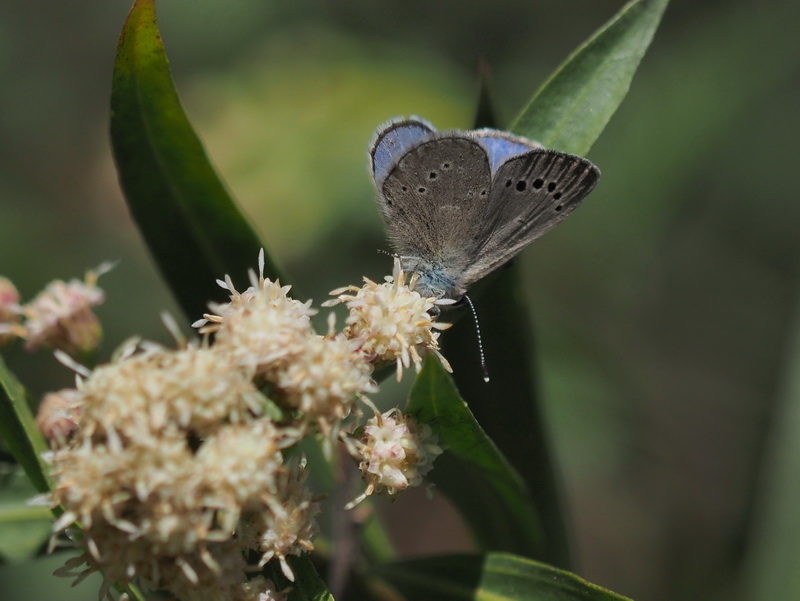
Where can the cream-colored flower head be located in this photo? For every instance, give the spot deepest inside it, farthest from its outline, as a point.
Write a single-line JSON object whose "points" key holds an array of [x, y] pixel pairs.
{"points": [[261, 326], [133, 502], [391, 321], [61, 316], [9, 310], [323, 380], [290, 526], [226, 483], [193, 389], [394, 453], [171, 455]]}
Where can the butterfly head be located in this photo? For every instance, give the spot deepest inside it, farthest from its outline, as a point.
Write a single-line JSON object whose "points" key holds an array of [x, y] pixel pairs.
{"points": [[433, 280]]}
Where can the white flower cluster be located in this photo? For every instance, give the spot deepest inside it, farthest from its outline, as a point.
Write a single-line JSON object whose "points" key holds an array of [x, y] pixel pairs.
{"points": [[172, 462], [171, 456]]}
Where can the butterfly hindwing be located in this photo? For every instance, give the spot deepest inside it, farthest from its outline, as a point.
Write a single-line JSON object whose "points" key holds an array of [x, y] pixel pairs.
{"points": [[434, 200], [392, 141], [501, 145]]}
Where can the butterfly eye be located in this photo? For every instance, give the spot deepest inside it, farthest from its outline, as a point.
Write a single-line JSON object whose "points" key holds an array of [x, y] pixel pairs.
{"points": [[537, 183], [557, 195], [521, 185], [558, 208], [445, 165], [432, 175], [551, 186], [422, 190]]}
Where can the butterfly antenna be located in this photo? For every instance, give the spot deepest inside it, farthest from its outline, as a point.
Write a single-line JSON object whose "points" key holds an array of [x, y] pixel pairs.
{"points": [[480, 340]]}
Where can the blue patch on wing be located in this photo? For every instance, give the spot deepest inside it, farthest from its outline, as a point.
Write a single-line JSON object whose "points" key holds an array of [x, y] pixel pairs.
{"points": [[501, 146], [392, 142]]}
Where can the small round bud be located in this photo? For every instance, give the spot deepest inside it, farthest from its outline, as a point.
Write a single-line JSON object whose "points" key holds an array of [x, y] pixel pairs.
{"points": [[58, 415]]}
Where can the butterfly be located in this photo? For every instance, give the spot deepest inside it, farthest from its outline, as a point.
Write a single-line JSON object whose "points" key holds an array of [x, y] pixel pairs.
{"points": [[459, 204]]}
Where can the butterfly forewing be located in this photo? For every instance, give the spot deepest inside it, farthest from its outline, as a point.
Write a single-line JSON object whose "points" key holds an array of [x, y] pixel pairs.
{"points": [[530, 194]]}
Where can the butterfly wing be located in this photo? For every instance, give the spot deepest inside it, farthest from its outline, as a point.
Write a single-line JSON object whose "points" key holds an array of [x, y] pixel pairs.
{"points": [[501, 145], [530, 194], [391, 141], [433, 200]]}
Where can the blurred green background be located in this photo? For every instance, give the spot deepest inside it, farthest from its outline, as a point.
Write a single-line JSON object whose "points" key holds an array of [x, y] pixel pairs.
{"points": [[664, 308]]}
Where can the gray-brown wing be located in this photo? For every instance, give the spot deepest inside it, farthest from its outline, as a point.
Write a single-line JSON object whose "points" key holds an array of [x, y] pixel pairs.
{"points": [[434, 201], [530, 194]]}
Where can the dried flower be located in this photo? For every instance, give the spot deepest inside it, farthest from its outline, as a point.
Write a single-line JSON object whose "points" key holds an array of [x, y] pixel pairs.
{"points": [[391, 321], [61, 316], [9, 310], [57, 417], [394, 453]]}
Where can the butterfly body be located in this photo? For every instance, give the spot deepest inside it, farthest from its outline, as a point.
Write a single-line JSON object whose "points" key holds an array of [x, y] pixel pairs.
{"points": [[457, 205]]}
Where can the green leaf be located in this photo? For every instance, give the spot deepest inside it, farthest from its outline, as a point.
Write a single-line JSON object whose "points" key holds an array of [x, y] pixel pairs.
{"points": [[574, 105], [473, 473], [182, 208], [23, 529], [507, 407], [485, 115], [493, 577], [18, 429], [307, 585], [568, 112]]}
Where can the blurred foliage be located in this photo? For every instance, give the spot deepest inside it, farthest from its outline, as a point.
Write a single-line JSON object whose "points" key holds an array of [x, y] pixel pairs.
{"points": [[662, 307]]}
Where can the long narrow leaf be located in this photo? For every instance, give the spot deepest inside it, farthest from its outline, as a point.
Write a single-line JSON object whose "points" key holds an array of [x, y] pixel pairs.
{"points": [[18, 429], [574, 105], [23, 529], [473, 473], [493, 577], [507, 407], [182, 208], [568, 112]]}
